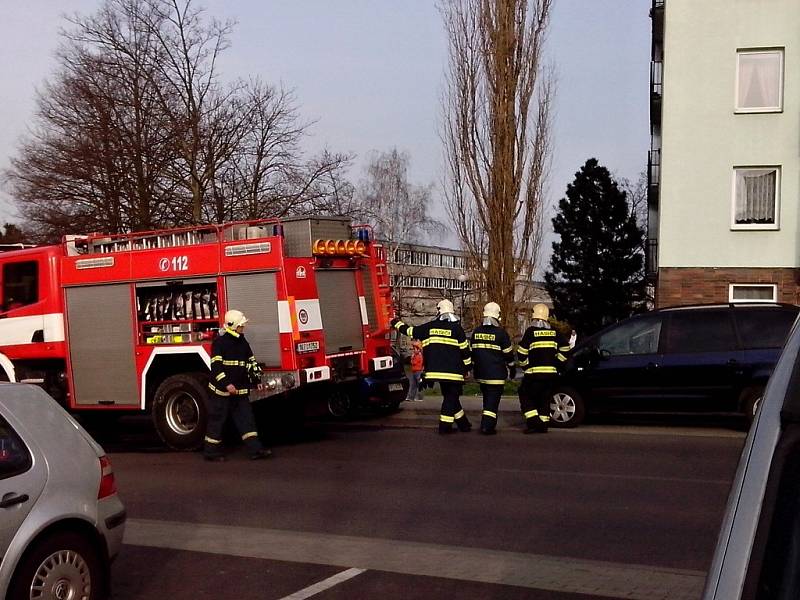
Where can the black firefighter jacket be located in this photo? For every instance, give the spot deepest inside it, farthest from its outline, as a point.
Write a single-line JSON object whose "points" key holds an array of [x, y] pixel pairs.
{"points": [[542, 351], [445, 348], [492, 354], [232, 361]]}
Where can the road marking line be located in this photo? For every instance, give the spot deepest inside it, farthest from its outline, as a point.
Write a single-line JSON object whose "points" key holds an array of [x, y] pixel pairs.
{"points": [[583, 474], [323, 585], [461, 563]]}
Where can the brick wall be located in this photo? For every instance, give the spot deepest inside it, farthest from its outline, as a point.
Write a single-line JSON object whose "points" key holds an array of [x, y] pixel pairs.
{"points": [[703, 285]]}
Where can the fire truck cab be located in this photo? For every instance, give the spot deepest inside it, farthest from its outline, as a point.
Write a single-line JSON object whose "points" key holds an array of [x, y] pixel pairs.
{"points": [[125, 322]]}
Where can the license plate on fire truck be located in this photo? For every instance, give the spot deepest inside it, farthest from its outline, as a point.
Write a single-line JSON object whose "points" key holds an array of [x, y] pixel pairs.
{"points": [[307, 347], [395, 387]]}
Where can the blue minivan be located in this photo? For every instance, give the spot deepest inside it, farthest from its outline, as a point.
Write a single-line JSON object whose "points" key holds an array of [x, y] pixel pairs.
{"points": [[708, 358]]}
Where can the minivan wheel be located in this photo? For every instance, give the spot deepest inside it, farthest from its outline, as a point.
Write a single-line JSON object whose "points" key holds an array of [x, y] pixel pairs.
{"points": [[63, 566], [750, 401], [566, 408]]}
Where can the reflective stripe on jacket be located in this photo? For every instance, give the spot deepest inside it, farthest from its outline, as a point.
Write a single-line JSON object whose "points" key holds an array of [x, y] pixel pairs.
{"points": [[542, 351], [445, 349], [231, 361], [492, 354]]}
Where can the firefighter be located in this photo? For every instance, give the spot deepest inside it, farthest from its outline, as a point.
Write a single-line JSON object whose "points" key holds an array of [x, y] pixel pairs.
{"points": [[233, 370], [540, 353], [493, 358], [446, 355]]}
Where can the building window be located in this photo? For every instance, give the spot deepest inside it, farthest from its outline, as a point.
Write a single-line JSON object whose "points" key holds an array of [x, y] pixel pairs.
{"points": [[753, 292], [759, 80], [402, 257], [755, 197], [448, 261]]}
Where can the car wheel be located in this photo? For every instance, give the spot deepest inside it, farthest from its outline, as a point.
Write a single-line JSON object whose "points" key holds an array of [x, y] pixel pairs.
{"points": [[566, 408], [179, 411], [750, 401], [62, 566]]}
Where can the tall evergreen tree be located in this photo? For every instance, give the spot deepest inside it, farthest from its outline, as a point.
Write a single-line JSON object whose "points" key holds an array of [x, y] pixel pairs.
{"points": [[596, 274]]}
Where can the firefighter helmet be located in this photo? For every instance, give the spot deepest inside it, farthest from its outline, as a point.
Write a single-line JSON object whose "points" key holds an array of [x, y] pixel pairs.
{"points": [[445, 307], [234, 319], [540, 311], [492, 309]]}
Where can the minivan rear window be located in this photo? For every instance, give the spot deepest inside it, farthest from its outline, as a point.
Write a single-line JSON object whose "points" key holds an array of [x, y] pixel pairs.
{"points": [[700, 331], [763, 327]]}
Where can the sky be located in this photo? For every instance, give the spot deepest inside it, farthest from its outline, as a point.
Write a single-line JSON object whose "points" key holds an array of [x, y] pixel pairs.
{"points": [[370, 74]]}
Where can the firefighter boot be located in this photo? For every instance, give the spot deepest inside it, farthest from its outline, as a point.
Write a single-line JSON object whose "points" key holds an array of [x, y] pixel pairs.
{"points": [[534, 425], [445, 427], [463, 422], [259, 454]]}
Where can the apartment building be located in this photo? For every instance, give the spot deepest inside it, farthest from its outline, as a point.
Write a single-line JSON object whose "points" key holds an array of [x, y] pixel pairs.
{"points": [[724, 164]]}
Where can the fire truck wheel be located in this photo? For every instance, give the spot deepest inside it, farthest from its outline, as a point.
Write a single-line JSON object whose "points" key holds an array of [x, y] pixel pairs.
{"points": [[340, 403], [179, 411]]}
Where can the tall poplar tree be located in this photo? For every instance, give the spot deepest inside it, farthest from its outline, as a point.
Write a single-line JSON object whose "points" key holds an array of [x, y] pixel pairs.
{"points": [[596, 274]]}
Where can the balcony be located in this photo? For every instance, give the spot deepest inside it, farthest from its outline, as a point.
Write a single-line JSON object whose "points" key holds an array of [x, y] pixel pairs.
{"points": [[651, 259], [656, 88], [653, 175]]}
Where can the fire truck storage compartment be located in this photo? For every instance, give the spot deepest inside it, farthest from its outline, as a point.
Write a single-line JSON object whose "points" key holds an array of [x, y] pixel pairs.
{"points": [[176, 312], [101, 345], [256, 296], [340, 310], [300, 233]]}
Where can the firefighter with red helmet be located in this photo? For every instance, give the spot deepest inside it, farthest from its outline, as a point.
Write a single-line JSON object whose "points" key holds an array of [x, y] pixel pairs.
{"points": [[540, 353], [493, 357], [446, 355], [233, 371]]}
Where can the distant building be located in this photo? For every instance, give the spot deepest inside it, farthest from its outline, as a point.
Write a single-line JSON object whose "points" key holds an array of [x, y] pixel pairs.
{"points": [[422, 275], [724, 169]]}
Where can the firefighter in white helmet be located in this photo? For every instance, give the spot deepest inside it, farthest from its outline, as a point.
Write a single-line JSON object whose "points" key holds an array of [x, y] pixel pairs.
{"points": [[493, 362], [446, 355], [540, 353], [234, 371]]}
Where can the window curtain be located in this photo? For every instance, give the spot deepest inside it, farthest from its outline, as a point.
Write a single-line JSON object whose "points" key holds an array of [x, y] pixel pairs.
{"points": [[755, 196], [759, 80]]}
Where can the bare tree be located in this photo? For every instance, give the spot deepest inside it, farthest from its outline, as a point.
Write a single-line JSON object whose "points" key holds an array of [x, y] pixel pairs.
{"points": [[96, 157], [135, 131], [637, 197], [496, 134], [189, 46], [398, 210]]}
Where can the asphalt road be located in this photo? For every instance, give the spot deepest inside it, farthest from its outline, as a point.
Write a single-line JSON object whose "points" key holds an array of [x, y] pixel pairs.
{"points": [[387, 507]]}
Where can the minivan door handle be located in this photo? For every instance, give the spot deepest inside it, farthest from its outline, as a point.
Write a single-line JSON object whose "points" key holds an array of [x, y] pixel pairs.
{"points": [[13, 499]]}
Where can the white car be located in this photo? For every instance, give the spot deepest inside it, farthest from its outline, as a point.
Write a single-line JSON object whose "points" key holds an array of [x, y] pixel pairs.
{"points": [[758, 548], [61, 521]]}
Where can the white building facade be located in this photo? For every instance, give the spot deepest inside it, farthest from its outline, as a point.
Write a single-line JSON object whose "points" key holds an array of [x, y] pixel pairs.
{"points": [[725, 156]]}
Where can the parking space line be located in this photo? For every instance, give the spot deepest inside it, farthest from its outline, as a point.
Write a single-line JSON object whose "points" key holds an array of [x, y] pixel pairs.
{"points": [[323, 585], [535, 571]]}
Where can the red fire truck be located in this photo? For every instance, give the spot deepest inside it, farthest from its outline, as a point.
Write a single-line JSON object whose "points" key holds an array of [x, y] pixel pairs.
{"points": [[125, 322]]}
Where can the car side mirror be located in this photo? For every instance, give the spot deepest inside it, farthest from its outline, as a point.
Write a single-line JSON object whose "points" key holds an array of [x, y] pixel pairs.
{"points": [[603, 354]]}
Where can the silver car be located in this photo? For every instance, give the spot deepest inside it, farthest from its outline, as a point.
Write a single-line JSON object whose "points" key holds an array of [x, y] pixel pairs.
{"points": [[758, 549], [61, 521]]}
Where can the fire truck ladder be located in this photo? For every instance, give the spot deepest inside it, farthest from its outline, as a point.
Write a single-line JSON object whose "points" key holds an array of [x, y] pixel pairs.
{"points": [[145, 241], [382, 274]]}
